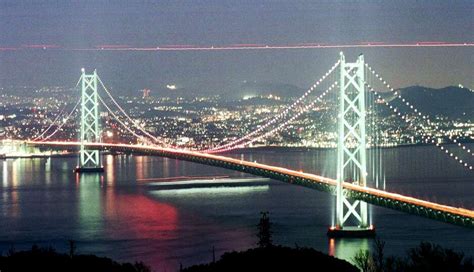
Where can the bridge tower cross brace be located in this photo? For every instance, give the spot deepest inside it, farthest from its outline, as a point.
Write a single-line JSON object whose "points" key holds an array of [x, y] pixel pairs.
{"points": [[351, 150], [89, 160]]}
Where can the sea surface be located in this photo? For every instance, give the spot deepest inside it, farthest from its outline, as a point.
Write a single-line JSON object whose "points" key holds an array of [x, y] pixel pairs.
{"points": [[168, 213]]}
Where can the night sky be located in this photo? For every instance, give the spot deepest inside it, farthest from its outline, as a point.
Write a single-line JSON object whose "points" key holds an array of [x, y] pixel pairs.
{"points": [[91, 24]]}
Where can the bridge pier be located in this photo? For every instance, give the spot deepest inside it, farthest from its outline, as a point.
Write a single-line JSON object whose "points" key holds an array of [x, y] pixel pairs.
{"points": [[89, 169], [351, 215], [89, 160]]}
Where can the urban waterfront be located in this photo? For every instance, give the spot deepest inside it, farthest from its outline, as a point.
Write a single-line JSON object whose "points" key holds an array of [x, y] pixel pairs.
{"points": [[209, 136], [133, 212]]}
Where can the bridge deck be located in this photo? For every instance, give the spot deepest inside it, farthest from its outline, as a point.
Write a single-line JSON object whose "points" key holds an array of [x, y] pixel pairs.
{"points": [[444, 213]]}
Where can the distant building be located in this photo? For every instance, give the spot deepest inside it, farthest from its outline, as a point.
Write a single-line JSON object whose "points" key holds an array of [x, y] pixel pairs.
{"points": [[146, 93], [3, 133]]}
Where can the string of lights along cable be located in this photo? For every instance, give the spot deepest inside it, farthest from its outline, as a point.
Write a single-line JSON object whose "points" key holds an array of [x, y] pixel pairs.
{"points": [[278, 128], [348, 103], [405, 117], [51, 125], [64, 121], [280, 120], [277, 117], [133, 122]]}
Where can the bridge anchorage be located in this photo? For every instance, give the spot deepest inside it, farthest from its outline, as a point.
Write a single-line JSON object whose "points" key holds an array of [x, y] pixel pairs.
{"points": [[89, 159], [351, 215]]}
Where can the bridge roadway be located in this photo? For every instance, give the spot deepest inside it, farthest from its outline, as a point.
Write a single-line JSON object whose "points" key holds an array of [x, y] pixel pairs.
{"points": [[457, 216]]}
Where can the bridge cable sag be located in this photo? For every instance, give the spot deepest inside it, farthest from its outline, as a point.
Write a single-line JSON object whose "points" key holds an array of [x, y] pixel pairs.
{"points": [[57, 117], [118, 119], [127, 116], [63, 123], [278, 128], [426, 137], [273, 120], [52, 123], [427, 118], [429, 139]]}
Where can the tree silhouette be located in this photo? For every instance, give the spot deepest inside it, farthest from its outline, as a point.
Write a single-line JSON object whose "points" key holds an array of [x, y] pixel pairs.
{"points": [[364, 261], [378, 255], [264, 231], [72, 248]]}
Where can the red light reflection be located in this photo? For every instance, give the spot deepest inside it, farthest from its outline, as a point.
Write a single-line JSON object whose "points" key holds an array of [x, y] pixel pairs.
{"points": [[332, 247], [140, 217]]}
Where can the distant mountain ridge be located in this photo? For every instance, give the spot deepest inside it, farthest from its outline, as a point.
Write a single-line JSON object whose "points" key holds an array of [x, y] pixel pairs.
{"points": [[450, 101]]}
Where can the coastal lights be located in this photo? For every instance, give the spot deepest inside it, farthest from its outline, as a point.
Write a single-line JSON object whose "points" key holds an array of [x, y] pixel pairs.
{"points": [[282, 114], [134, 123], [426, 137], [278, 128]]}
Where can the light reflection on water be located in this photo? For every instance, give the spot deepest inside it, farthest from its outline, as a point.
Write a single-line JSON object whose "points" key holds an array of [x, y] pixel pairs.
{"points": [[210, 192], [5, 173], [347, 248], [89, 208], [112, 214]]}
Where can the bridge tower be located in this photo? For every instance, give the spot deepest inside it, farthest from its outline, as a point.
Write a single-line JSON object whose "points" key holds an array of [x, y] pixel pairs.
{"points": [[351, 216], [89, 160]]}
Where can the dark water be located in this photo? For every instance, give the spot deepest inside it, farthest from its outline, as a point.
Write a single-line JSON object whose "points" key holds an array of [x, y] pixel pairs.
{"points": [[128, 215]]}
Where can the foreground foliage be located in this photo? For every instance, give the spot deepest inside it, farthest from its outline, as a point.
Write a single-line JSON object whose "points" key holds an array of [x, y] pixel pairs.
{"points": [[47, 259], [275, 258], [424, 257]]}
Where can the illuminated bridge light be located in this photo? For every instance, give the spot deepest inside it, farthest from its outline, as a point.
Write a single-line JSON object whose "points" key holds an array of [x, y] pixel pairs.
{"points": [[425, 117]]}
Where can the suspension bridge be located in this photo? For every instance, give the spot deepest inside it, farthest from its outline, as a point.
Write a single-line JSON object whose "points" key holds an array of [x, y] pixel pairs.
{"points": [[350, 83]]}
